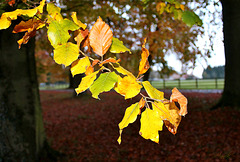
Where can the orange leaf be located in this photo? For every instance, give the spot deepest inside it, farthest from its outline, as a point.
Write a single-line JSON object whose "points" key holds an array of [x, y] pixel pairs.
{"points": [[175, 117], [144, 64], [31, 33], [90, 68], [141, 104], [182, 100], [100, 37], [28, 25], [80, 35], [95, 62], [11, 2], [110, 60]]}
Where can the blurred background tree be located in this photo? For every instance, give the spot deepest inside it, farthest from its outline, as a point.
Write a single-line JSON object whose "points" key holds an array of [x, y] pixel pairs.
{"points": [[132, 21]]}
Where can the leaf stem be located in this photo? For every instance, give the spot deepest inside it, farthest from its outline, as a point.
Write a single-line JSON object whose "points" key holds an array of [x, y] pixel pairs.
{"points": [[86, 55]]}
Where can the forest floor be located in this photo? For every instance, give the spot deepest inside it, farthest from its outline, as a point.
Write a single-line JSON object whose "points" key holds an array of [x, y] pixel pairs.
{"points": [[86, 129]]}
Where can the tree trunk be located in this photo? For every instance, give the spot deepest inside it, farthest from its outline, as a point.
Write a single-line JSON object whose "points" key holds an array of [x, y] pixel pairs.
{"points": [[231, 31], [22, 136]]}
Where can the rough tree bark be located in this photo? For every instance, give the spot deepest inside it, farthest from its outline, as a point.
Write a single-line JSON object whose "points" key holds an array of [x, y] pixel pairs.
{"points": [[231, 31], [22, 136]]}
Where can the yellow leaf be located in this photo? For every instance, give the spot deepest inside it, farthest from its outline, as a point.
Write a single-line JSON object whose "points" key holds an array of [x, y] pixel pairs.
{"points": [[153, 92], [54, 12], [130, 116], [66, 53], [80, 66], [163, 111], [181, 99], [86, 82], [128, 87], [175, 117], [100, 37], [123, 71], [161, 7], [6, 17], [78, 22], [144, 64], [151, 123]]}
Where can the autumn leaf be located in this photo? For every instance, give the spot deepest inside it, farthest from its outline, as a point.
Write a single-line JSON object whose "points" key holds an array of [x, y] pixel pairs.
{"points": [[31, 26], [80, 66], [144, 64], [66, 53], [128, 87], [31, 33], [181, 99], [95, 62], [54, 12], [163, 111], [90, 69], [104, 83], [151, 123], [100, 37], [152, 92], [28, 25], [7, 17], [118, 47], [142, 103], [86, 82], [123, 71], [11, 2], [58, 31], [130, 116], [78, 22], [172, 124], [112, 60], [161, 7], [80, 35]]}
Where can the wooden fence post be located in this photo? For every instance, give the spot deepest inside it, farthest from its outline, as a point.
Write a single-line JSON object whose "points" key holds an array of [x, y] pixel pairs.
{"points": [[196, 83], [179, 83], [216, 83], [164, 86]]}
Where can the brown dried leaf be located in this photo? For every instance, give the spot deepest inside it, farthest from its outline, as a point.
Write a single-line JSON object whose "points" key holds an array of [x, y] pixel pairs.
{"points": [[181, 99]]}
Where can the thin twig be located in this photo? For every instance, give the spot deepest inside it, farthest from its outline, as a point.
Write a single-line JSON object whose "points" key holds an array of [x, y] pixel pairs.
{"points": [[86, 55]]}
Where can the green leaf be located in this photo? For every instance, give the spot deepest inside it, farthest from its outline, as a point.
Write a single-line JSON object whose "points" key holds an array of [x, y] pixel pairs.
{"points": [[130, 116], [190, 18], [54, 12], [58, 31], [151, 123], [178, 14], [104, 83], [66, 53], [118, 47], [153, 92]]}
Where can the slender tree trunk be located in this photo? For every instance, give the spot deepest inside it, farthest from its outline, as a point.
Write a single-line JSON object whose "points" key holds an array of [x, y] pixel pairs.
{"points": [[22, 136], [231, 30]]}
